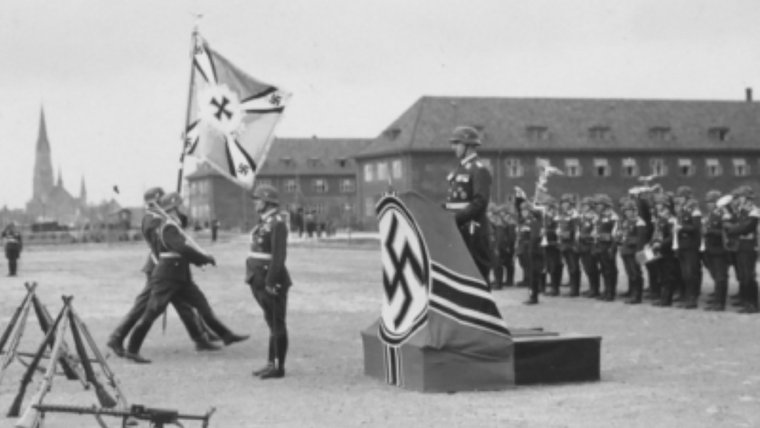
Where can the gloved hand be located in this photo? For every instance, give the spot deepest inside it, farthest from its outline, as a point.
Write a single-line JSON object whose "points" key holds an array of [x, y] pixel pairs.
{"points": [[211, 260]]}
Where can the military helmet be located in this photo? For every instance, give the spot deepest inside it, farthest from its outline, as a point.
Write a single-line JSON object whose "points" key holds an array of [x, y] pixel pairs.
{"points": [[170, 201], [267, 193], [587, 200], [684, 192], [465, 135], [629, 205], [603, 199], [712, 196], [745, 191], [153, 194]]}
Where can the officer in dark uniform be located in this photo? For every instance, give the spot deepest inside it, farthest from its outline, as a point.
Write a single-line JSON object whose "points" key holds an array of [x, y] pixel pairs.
{"points": [[269, 278], [744, 228], [567, 231], [171, 278], [469, 194], [498, 230], [552, 253], [13, 246], [507, 249], [633, 231], [662, 245], [529, 228], [688, 241], [604, 249], [715, 255], [193, 324], [586, 229]]}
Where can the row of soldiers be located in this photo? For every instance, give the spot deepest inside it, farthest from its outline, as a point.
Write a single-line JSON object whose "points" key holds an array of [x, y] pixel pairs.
{"points": [[665, 233]]}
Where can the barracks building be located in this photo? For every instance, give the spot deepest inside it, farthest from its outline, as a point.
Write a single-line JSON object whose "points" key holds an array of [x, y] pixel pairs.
{"points": [[602, 145], [313, 174]]}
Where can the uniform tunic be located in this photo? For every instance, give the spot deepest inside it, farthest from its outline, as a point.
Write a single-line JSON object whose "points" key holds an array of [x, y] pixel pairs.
{"points": [[468, 197]]}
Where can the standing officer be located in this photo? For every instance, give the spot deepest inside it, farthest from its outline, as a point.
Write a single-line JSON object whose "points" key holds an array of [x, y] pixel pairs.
{"points": [[633, 231], [268, 277], [469, 194], [586, 232], [745, 230], [605, 250], [507, 251], [688, 241], [567, 231], [171, 279], [662, 245], [497, 236], [530, 224], [193, 324], [13, 247], [552, 253], [715, 255]]}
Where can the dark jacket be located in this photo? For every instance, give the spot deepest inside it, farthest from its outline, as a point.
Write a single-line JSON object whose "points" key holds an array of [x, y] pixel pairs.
{"points": [[265, 265]]}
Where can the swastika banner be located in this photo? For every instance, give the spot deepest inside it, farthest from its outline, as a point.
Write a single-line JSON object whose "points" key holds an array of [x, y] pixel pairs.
{"points": [[231, 116], [437, 313]]}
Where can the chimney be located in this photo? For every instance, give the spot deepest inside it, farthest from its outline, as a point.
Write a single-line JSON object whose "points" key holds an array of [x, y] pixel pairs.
{"points": [[748, 91]]}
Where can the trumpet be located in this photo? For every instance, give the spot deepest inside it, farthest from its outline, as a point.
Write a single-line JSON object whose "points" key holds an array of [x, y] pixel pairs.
{"points": [[676, 227]]}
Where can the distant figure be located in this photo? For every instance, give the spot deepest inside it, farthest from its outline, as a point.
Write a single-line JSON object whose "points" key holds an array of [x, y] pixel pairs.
{"points": [[13, 247], [311, 224], [214, 229]]}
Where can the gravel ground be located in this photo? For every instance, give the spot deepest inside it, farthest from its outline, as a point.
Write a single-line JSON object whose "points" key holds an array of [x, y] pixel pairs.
{"points": [[660, 367]]}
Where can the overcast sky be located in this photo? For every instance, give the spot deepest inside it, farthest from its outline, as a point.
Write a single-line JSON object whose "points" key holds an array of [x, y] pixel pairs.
{"points": [[113, 75]]}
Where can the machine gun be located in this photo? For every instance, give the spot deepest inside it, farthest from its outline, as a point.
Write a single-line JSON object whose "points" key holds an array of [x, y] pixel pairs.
{"points": [[157, 418]]}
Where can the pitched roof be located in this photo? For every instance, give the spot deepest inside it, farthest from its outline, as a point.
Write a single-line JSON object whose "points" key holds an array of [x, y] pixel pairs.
{"points": [[427, 124], [304, 156], [313, 156]]}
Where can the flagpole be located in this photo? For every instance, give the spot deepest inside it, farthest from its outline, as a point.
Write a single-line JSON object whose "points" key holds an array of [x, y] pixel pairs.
{"points": [[194, 43]]}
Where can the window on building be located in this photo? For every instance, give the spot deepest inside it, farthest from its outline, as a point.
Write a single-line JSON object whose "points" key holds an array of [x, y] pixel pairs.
{"points": [[661, 133], [686, 167], [658, 166], [537, 133], [630, 167], [573, 167], [382, 171], [342, 162], [718, 133], [396, 168], [602, 167], [347, 185], [291, 186], [320, 185], [264, 181], [741, 168], [369, 172], [714, 168], [313, 162], [287, 161], [514, 167], [600, 133]]}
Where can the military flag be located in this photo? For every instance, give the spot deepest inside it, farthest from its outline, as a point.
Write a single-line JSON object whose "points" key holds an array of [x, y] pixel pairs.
{"points": [[231, 116]]}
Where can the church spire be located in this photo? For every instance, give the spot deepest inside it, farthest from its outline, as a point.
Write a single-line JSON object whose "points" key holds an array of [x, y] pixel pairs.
{"points": [[43, 165], [83, 193]]}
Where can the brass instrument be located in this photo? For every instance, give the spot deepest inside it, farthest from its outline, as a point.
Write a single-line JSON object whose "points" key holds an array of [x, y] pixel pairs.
{"points": [[676, 229], [705, 222]]}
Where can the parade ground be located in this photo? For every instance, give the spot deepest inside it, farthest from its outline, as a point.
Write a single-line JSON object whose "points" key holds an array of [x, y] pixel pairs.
{"points": [[660, 367]]}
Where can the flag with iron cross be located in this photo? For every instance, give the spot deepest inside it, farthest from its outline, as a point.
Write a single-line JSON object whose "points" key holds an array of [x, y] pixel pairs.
{"points": [[231, 117]]}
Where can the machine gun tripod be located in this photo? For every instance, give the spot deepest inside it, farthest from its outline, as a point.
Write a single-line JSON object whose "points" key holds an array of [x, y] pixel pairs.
{"points": [[157, 418]]}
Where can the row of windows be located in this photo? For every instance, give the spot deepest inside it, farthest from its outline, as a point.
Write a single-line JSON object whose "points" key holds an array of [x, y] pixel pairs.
{"points": [[604, 133], [379, 170], [315, 162], [318, 185], [629, 167]]}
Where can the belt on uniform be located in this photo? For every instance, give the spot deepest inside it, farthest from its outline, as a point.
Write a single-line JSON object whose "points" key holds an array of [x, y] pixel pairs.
{"points": [[169, 255], [456, 205], [258, 255]]}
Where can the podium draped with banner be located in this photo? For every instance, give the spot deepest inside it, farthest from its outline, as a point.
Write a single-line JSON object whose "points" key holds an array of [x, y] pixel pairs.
{"points": [[439, 327]]}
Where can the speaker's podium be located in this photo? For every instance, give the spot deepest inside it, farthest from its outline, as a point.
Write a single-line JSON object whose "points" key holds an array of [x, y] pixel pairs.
{"points": [[440, 329]]}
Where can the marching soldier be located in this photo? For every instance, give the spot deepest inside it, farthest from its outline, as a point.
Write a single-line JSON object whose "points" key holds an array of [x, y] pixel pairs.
{"points": [[604, 249], [13, 246], [632, 235], [469, 194], [171, 278], [586, 232], [715, 254], [552, 255], [193, 324], [269, 278], [688, 240], [567, 231], [529, 220], [662, 244], [744, 228]]}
